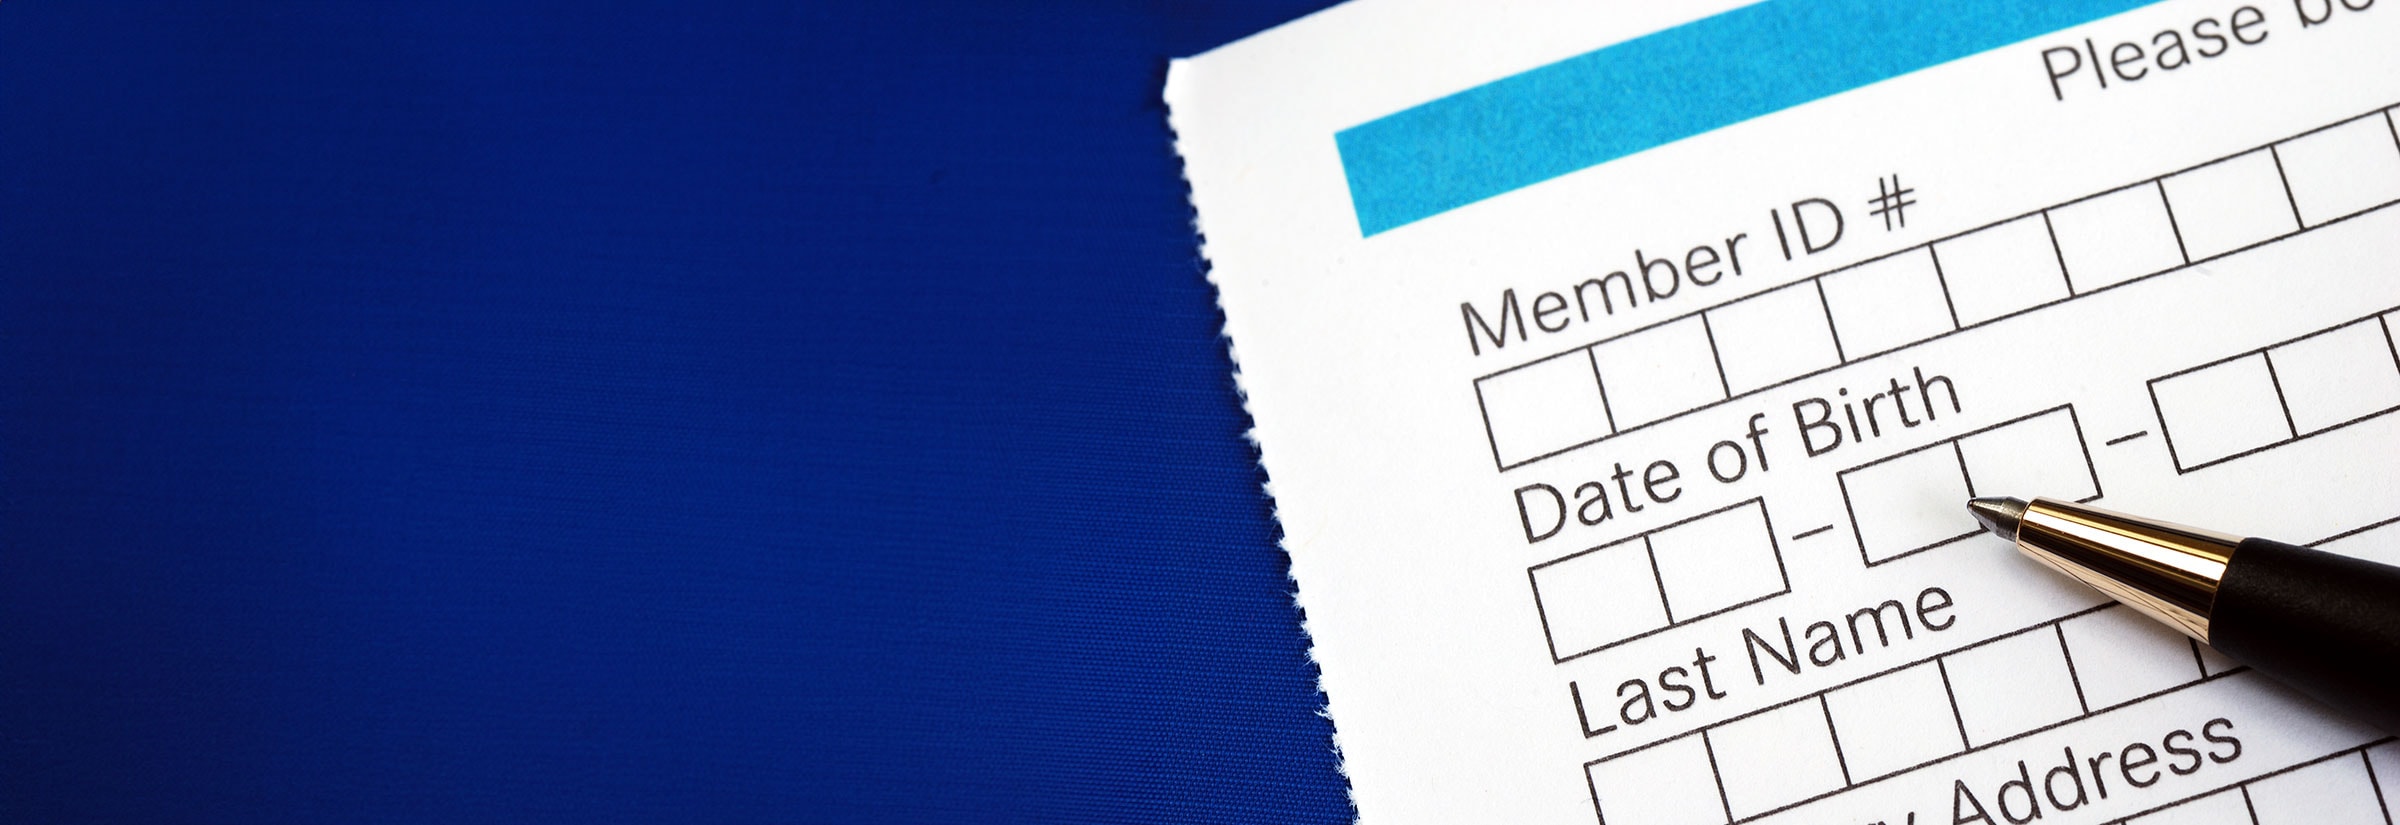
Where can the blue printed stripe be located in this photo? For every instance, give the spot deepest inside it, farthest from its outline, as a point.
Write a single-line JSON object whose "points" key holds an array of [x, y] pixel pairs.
{"points": [[1660, 88]]}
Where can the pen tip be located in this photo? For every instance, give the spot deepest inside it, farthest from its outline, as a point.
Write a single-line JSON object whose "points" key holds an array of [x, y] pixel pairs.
{"points": [[1998, 514]]}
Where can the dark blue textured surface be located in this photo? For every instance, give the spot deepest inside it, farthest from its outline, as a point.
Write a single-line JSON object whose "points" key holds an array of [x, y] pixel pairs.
{"points": [[603, 412]]}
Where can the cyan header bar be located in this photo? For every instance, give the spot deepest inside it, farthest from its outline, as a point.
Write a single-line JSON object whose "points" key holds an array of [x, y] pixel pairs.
{"points": [[1663, 87]]}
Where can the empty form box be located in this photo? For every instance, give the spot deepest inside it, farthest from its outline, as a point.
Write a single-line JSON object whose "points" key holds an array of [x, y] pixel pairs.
{"points": [[1776, 758], [1717, 561], [2219, 411], [2041, 455], [2343, 170], [1886, 304], [2230, 204], [2332, 792], [2012, 685], [2226, 807], [2115, 237], [2001, 269], [2384, 762], [2121, 655], [1894, 722], [1772, 337], [1671, 783], [1543, 407], [1598, 598], [1659, 372], [1688, 570], [2337, 377], [1907, 503]]}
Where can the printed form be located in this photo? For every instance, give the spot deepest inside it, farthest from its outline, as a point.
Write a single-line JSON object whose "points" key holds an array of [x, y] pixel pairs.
{"points": [[1621, 371]]}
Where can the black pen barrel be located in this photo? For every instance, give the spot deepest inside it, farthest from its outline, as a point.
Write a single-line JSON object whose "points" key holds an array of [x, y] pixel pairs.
{"points": [[2325, 624]]}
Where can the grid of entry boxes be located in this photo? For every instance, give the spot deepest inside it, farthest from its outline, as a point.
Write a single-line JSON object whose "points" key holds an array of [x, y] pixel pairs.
{"points": [[1907, 503], [1899, 719], [2279, 393], [1633, 587], [1981, 695], [1691, 362]]}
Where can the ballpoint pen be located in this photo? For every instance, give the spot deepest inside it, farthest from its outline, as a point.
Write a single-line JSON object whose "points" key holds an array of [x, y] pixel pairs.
{"points": [[2325, 624]]}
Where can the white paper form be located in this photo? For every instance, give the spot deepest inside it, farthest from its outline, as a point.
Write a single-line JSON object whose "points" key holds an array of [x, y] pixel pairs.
{"points": [[1621, 371]]}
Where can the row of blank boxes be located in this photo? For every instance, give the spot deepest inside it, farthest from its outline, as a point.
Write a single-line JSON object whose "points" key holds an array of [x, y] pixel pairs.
{"points": [[1910, 502], [2266, 397], [2229, 204], [2125, 234], [2342, 789], [1569, 400], [1899, 720], [1633, 587], [1693, 362]]}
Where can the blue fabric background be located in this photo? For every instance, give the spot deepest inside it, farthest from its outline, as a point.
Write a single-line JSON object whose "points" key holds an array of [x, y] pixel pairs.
{"points": [[572, 412]]}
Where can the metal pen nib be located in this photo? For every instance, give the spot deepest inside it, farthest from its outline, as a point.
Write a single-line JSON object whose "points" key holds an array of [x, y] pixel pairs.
{"points": [[1999, 514]]}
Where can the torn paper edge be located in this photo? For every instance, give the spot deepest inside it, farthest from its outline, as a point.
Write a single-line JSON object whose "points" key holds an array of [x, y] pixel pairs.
{"points": [[1178, 83]]}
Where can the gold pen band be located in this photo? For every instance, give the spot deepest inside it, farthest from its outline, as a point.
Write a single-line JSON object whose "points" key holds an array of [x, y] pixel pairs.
{"points": [[2169, 571]]}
